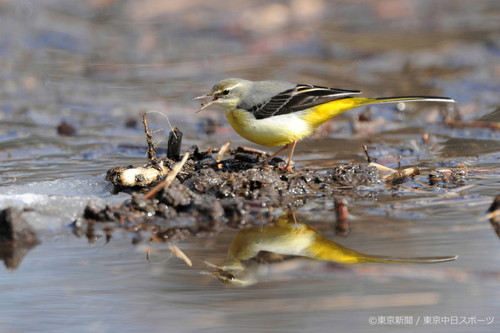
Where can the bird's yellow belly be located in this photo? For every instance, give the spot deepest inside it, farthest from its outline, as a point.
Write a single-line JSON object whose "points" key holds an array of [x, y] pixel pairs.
{"points": [[273, 131]]}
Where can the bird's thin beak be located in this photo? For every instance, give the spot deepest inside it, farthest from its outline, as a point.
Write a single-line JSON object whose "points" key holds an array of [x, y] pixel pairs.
{"points": [[202, 97], [205, 105]]}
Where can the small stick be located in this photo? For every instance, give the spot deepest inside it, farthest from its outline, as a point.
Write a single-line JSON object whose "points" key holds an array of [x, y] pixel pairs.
{"points": [[382, 168], [222, 151], [478, 124], [400, 175], [170, 178], [261, 153], [368, 158], [174, 144], [151, 152]]}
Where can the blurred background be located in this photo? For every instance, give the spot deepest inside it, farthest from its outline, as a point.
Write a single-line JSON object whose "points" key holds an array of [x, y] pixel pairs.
{"points": [[97, 65], [111, 57]]}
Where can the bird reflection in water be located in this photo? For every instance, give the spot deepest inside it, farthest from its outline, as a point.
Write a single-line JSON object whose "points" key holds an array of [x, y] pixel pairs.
{"points": [[285, 238]]}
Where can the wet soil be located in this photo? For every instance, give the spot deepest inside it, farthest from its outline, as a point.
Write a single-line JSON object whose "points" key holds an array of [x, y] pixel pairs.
{"points": [[236, 191]]}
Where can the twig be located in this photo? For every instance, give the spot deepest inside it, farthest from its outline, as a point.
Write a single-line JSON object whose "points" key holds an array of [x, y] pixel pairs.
{"points": [[395, 176], [399, 176], [261, 153], [479, 124], [151, 152], [368, 158], [382, 168], [222, 151], [244, 149], [170, 178]]}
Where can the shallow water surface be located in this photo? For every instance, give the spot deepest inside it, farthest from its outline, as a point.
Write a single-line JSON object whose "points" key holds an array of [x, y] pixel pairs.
{"points": [[66, 282]]}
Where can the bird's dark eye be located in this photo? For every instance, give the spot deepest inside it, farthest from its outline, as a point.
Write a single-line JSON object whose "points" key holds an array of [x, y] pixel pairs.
{"points": [[226, 92]]}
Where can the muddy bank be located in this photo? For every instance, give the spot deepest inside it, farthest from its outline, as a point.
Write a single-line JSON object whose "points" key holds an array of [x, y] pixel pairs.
{"points": [[236, 191]]}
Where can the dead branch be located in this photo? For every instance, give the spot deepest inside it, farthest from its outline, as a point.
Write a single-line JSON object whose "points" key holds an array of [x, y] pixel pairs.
{"points": [[151, 152], [368, 158], [477, 124]]}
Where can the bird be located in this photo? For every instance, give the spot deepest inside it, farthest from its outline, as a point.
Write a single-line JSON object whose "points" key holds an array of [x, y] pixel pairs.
{"points": [[277, 113], [289, 237]]}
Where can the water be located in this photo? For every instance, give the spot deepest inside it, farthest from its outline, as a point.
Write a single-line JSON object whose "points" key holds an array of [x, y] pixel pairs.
{"points": [[96, 64]]}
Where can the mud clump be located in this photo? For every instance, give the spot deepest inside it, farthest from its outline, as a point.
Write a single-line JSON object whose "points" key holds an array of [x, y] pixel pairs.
{"points": [[210, 192], [17, 237], [172, 197], [14, 228]]}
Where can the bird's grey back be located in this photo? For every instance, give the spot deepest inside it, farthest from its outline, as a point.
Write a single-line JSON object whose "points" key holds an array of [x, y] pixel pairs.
{"points": [[262, 91]]}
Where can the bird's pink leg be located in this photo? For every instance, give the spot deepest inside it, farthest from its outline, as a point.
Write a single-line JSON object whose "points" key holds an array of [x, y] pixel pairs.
{"points": [[276, 153], [288, 166]]}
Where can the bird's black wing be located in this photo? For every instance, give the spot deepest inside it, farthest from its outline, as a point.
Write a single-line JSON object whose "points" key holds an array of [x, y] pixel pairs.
{"points": [[299, 98]]}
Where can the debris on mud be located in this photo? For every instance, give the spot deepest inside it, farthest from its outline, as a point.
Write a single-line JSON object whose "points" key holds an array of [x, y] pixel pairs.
{"points": [[449, 178], [213, 188], [236, 191]]}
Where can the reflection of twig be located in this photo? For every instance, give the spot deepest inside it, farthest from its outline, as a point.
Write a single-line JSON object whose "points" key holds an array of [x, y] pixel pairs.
{"points": [[170, 178], [342, 214], [179, 254], [494, 215]]}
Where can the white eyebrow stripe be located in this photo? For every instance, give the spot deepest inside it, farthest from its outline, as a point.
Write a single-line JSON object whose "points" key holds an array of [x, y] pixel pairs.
{"points": [[234, 86]]}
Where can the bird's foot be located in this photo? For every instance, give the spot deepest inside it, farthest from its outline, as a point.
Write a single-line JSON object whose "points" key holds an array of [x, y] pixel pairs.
{"points": [[288, 167]]}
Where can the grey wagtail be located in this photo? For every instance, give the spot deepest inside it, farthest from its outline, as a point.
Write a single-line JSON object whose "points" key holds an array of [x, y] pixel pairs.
{"points": [[275, 113]]}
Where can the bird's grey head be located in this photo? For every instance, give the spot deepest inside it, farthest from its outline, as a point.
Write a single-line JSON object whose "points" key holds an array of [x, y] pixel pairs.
{"points": [[227, 93]]}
